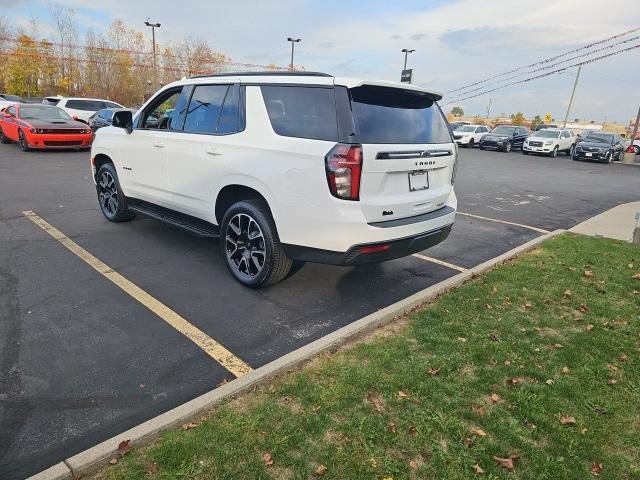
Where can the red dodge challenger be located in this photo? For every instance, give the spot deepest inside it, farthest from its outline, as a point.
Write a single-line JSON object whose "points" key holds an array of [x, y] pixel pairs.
{"points": [[42, 127]]}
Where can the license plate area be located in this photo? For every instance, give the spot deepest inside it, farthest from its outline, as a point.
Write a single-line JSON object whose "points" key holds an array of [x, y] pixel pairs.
{"points": [[418, 180], [589, 154]]}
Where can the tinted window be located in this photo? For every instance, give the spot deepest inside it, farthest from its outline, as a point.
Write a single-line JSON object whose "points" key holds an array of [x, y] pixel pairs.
{"points": [[230, 116], [43, 112], [303, 112], [204, 108], [391, 115], [85, 105], [51, 101]]}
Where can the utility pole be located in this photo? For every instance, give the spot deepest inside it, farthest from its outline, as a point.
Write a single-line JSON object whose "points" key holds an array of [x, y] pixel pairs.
{"points": [[575, 84], [489, 106], [293, 43], [153, 39]]}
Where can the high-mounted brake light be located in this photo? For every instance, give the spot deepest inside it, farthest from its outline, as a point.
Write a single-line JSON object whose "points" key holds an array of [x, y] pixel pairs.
{"points": [[344, 168]]}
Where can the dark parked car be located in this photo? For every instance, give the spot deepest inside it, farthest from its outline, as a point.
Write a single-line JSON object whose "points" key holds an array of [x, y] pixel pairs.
{"points": [[104, 117], [504, 137], [602, 147]]}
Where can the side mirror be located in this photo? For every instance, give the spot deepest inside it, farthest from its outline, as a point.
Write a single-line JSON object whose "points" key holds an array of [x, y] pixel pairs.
{"points": [[123, 119]]}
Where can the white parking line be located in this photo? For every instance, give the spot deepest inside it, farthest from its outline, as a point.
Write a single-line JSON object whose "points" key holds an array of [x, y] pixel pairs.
{"points": [[535, 229], [211, 347], [440, 262]]}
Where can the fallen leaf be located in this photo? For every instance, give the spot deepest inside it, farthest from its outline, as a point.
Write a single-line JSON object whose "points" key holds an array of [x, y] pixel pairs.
{"points": [[152, 468], [515, 380], [549, 382], [506, 463], [566, 420], [589, 327], [387, 478], [402, 394], [623, 357], [433, 371], [584, 430], [479, 432], [494, 290], [488, 307], [583, 308], [507, 363], [495, 398], [478, 409], [630, 266], [266, 458], [478, 469], [462, 339], [321, 470], [468, 442], [392, 427], [412, 431], [613, 368], [124, 447], [528, 305], [374, 463], [565, 370], [596, 469], [413, 465], [567, 293], [636, 276], [189, 426], [612, 381], [376, 402], [588, 273], [113, 461]]}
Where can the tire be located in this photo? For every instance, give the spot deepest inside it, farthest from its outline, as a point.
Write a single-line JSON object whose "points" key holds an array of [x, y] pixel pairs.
{"points": [[508, 147], [248, 234], [480, 147], [471, 143], [524, 152], [3, 139], [22, 141], [621, 155], [570, 151], [112, 201], [554, 152], [637, 149]]}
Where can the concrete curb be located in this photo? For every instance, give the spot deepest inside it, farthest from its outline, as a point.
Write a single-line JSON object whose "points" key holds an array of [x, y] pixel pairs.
{"points": [[91, 459]]}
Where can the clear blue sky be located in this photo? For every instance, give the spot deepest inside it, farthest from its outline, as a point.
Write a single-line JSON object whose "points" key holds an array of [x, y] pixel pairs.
{"points": [[456, 41]]}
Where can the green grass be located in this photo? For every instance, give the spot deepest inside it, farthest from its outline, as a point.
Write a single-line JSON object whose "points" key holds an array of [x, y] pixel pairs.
{"points": [[516, 322]]}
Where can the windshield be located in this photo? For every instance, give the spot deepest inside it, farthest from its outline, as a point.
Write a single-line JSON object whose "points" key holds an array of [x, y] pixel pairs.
{"points": [[43, 113], [466, 128], [599, 137], [547, 134], [502, 130]]}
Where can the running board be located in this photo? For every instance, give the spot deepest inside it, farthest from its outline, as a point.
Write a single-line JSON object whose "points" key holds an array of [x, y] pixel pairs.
{"points": [[186, 222]]}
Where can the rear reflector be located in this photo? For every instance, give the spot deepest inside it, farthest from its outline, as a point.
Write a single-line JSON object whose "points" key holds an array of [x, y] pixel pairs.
{"points": [[375, 248], [344, 167]]}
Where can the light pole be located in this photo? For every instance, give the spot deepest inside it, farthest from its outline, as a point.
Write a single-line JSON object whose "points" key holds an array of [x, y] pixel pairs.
{"points": [[293, 42], [153, 39], [406, 52]]}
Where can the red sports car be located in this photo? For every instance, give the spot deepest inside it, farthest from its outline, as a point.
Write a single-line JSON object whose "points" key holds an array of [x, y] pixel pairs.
{"points": [[42, 127]]}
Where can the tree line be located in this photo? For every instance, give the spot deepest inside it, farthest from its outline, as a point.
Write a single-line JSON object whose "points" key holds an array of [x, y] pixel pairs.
{"points": [[116, 65]]}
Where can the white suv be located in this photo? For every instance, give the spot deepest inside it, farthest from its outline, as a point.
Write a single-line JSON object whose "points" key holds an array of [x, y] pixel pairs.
{"points": [[80, 108], [469, 135], [550, 141], [285, 168]]}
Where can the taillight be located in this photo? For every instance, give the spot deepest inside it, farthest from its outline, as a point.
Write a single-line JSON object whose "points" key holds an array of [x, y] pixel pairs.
{"points": [[344, 168]]}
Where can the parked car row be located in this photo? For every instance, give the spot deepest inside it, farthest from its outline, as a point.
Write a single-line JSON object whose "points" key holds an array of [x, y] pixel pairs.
{"points": [[550, 141]]}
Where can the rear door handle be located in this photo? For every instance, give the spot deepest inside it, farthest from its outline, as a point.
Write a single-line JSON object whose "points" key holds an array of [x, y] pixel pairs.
{"points": [[212, 151], [158, 144]]}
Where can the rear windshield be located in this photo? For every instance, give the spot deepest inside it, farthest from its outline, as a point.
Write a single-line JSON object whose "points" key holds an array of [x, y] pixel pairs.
{"points": [[303, 112], [392, 115]]}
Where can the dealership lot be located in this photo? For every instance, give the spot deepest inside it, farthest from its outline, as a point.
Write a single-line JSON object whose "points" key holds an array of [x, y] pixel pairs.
{"points": [[81, 360]]}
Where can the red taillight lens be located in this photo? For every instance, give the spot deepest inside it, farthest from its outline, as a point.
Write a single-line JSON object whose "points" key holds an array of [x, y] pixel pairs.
{"points": [[375, 248], [344, 168]]}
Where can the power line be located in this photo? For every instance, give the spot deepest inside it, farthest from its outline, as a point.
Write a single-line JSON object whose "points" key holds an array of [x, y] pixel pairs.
{"points": [[546, 67], [585, 62], [546, 60]]}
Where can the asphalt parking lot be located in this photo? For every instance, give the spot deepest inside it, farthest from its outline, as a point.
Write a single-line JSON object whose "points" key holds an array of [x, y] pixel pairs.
{"points": [[80, 360]]}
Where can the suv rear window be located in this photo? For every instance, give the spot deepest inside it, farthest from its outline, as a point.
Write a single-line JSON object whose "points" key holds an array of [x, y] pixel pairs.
{"points": [[392, 115], [302, 112]]}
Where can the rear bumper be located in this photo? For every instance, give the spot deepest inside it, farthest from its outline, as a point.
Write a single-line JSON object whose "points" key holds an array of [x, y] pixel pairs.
{"points": [[397, 248]]}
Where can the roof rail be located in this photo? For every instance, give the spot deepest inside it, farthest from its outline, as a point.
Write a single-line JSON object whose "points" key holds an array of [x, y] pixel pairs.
{"points": [[265, 73]]}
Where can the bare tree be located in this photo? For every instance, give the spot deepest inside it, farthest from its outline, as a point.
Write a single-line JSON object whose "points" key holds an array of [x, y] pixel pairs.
{"points": [[66, 27]]}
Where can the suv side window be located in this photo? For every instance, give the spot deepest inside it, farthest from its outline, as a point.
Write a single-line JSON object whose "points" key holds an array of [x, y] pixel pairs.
{"points": [[159, 115], [204, 109], [230, 117], [301, 111]]}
